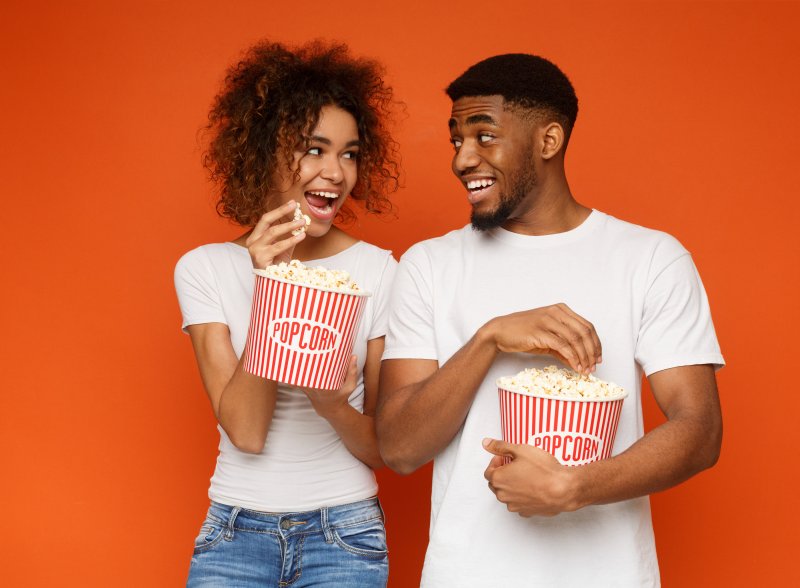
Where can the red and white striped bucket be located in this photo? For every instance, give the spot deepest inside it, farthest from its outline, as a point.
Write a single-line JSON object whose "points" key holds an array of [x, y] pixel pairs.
{"points": [[302, 335], [574, 431]]}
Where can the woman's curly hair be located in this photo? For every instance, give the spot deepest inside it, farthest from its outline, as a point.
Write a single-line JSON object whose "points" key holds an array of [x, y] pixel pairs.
{"points": [[270, 103]]}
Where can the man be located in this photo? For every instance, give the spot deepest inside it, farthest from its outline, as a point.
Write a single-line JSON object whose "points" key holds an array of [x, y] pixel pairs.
{"points": [[540, 278]]}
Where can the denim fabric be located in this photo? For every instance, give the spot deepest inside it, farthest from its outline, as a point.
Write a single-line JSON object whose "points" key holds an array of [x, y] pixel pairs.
{"points": [[337, 546]]}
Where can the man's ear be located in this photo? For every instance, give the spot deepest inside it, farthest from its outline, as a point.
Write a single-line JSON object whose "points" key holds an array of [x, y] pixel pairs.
{"points": [[552, 140]]}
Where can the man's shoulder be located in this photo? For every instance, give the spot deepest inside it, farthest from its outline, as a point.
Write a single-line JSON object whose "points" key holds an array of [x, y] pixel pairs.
{"points": [[451, 241], [637, 238]]}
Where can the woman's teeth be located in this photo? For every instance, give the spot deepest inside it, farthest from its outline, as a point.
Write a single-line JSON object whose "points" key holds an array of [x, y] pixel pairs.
{"points": [[331, 195]]}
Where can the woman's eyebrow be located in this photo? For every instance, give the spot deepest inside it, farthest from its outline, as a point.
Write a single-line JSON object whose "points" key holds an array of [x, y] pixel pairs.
{"points": [[326, 141]]}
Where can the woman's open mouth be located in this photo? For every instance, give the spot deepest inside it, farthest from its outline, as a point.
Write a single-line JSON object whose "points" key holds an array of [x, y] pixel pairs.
{"points": [[321, 204]]}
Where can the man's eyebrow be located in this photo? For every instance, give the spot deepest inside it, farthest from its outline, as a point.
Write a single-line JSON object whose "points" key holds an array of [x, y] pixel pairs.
{"points": [[475, 119], [326, 141]]}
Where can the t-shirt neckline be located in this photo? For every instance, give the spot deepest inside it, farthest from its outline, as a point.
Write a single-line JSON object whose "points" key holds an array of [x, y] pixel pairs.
{"points": [[556, 239], [317, 261]]}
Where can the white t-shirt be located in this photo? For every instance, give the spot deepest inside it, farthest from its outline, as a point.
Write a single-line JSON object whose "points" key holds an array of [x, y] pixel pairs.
{"points": [[641, 291], [304, 464]]}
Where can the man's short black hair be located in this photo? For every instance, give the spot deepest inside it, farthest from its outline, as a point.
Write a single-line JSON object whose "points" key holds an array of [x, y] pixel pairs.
{"points": [[527, 81]]}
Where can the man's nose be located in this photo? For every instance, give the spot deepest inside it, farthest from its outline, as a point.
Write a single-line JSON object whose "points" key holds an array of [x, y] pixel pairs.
{"points": [[465, 159]]}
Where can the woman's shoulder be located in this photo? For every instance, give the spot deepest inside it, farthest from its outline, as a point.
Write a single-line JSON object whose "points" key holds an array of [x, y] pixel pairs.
{"points": [[368, 255], [211, 256]]}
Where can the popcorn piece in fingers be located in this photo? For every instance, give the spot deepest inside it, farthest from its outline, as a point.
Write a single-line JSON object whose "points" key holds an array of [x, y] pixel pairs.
{"points": [[298, 215]]}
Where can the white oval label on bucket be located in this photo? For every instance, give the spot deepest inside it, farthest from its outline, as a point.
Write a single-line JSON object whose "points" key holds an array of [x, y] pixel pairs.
{"points": [[569, 448], [303, 335]]}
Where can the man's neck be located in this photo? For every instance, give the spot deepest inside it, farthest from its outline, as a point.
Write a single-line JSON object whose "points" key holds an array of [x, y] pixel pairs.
{"points": [[549, 210]]}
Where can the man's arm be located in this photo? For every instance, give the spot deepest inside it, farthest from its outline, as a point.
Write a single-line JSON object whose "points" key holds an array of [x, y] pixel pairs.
{"points": [[534, 483], [421, 407]]}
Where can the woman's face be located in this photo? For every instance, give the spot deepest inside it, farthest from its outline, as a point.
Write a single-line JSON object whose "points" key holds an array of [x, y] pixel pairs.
{"points": [[328, 169]]}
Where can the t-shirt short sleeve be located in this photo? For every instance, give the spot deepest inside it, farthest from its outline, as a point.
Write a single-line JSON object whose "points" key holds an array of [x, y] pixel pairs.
{"points": [[676, 328], [381, 296], [411, 329], [198, 293]]}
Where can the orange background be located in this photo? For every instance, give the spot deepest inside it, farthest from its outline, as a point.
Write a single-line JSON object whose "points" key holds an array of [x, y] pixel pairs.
{"points": [[688, 124]]}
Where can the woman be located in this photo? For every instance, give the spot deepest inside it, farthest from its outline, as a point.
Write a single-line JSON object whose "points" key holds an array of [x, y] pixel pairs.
{"points": [[293, 494]]}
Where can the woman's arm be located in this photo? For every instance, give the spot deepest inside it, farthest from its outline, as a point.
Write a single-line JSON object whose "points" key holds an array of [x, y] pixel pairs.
{"points": [[357, 430], [243, 403]]}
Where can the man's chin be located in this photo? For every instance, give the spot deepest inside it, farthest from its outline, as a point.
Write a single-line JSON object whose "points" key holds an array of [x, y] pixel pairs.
{"points": [[486, 222]]}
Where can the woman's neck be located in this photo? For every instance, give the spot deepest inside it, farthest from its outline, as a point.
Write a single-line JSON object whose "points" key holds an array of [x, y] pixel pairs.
{"points": [[333, 242]]}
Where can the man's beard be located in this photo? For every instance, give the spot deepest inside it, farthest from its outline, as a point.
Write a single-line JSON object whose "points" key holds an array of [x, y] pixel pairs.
{"points": [[520, 187]]}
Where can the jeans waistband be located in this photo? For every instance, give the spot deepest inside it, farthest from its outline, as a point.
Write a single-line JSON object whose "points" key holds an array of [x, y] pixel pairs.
{"points": [[322, 519]]}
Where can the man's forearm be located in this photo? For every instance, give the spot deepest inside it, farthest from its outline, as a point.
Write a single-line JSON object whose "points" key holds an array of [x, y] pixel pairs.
{"points": [[668, 455], [419, 420]]}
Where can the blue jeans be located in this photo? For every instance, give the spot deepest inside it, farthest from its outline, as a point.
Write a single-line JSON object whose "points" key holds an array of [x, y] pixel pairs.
{"points": [[338, 546]]}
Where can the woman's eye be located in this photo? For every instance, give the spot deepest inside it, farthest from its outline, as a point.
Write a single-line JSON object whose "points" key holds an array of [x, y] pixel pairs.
{"points": [[351, 155], [314, 151]]}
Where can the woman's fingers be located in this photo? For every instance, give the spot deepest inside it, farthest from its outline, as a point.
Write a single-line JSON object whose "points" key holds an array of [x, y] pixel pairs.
{"points": [[270, 238], [269, 218]]}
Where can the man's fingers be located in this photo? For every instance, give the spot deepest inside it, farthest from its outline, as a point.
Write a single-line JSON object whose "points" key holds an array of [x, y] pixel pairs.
{"points": [[587, 332], [554, 344], [499, 447], [578, 334]]}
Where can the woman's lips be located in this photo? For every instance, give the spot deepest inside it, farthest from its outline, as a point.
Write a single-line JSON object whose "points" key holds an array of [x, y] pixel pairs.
{"points": [[320, 207]]}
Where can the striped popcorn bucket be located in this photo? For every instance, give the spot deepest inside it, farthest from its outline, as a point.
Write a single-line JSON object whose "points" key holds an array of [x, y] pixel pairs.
{"points": [[574, 431], [302, 335]]}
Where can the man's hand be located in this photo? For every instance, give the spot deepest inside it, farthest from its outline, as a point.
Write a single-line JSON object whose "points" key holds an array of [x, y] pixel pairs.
{"points": [[552, 330], [532, 484]]}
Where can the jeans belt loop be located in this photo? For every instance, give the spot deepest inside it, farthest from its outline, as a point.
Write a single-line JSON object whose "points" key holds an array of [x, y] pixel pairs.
{"points": [[231, 521], [326, 528]]}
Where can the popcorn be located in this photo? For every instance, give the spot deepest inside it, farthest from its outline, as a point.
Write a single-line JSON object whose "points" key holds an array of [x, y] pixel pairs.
{"points": [[560, 383], [298, 215], [319, 277]]}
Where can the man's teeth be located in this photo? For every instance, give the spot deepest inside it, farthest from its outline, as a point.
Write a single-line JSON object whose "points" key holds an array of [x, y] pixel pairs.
{"points": [[331, 195], [477, 184]]}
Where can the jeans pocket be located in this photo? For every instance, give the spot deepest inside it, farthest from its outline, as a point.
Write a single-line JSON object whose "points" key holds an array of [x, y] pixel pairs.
{"points": [[365, 539], [211, 533]]}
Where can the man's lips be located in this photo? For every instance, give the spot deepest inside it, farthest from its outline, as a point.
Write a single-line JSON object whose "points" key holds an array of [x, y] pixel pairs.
{"points": [[478, 188]]}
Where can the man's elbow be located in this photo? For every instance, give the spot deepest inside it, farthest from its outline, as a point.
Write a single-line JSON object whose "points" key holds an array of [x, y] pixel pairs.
{"points": [[398, 459], [712, 449]]}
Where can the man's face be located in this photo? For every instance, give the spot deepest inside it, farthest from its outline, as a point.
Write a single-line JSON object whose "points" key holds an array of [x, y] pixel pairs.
{"points": [[493, 158]]}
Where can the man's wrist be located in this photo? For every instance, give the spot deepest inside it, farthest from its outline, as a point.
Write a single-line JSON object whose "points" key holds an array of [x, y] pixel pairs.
{"points": [[485, 337], [575, 488]]}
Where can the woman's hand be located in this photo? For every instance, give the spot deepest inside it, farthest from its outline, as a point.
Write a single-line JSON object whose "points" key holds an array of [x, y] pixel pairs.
{"points": [[330, 403], [271, 241]]}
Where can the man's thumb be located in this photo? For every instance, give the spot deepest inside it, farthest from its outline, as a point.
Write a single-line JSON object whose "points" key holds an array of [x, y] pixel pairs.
{"points": [[498, 447]]}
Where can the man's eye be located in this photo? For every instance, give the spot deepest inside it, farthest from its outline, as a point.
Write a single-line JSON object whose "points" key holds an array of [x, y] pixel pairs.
{"points": [[456, 143], [483, 138]]}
